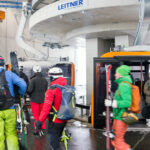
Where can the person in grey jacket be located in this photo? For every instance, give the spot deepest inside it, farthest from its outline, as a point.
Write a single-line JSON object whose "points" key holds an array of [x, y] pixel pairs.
{"points": [[36, 90]]}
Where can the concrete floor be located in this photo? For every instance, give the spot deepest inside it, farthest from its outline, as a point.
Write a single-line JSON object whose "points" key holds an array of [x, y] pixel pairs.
{"points": [[87, 138]]}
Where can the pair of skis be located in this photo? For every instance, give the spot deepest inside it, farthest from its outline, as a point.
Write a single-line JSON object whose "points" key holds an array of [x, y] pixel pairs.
{"points": [[108, 91], [21, 128]]}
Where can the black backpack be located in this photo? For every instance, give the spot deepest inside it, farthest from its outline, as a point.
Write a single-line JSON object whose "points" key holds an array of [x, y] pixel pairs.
{"points": [[6, 99]]}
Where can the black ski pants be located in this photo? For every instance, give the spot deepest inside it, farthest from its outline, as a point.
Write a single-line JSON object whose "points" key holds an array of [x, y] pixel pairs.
{"points": [[54, 133]]}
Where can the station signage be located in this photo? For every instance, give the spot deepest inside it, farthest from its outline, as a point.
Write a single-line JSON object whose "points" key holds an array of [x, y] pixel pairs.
{"points": [[71, 4]]}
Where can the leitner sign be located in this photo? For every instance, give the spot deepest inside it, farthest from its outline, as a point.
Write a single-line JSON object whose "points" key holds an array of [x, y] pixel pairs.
{"points": [[72, 4]]}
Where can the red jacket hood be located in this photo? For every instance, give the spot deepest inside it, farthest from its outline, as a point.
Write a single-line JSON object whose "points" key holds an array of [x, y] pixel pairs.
{"points": [[61, 81]]}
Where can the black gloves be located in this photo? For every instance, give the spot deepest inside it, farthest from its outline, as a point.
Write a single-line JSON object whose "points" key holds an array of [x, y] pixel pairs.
{"points": [[38, 125]]}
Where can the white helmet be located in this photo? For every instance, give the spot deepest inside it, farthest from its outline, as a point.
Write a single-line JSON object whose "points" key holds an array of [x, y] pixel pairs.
{"points": [[37, 69], [55, 72]]}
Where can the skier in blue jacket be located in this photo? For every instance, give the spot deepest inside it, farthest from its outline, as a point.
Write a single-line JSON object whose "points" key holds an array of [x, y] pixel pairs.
{"points": [[7, 109]]}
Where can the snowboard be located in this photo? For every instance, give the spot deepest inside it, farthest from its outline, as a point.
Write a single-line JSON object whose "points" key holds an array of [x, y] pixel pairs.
{"points": [[21, 128]]}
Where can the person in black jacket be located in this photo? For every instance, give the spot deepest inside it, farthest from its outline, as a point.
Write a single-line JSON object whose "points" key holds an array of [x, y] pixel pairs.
{"points": [[36, 90], [23, 75], [25, 109]]}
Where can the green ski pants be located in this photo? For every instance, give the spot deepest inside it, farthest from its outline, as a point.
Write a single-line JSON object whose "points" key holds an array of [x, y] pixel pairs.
{"points": [[8, 129]]}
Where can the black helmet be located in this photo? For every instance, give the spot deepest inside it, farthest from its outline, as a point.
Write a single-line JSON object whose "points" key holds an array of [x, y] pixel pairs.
{"points": [[2, 61]]}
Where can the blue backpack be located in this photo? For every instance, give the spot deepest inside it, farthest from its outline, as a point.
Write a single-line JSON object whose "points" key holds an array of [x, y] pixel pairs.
{"points": [[67, 108]]}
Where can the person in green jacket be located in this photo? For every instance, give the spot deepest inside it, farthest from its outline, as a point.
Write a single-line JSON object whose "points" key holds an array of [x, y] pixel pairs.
{"points": [[120, 104]]}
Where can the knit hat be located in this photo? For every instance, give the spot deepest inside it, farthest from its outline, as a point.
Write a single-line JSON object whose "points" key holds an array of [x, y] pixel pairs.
{"points": [[123, 70]]}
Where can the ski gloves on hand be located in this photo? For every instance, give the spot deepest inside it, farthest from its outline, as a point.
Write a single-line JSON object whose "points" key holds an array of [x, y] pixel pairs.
{"points": [[38, 125], [109, 103]]}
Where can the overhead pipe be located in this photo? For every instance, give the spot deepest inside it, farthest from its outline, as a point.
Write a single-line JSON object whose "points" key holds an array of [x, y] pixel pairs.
{"points": [[142, 29], [20, 31], [143, 25], [35, 3]]}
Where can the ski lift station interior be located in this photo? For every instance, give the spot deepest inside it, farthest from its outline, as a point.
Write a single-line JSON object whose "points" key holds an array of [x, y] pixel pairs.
{"points": [[80, 33]]}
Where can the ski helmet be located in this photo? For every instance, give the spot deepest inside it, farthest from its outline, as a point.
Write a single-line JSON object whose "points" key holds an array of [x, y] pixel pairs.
{"points": [[2, 61], [37, 69], [55, 73]]}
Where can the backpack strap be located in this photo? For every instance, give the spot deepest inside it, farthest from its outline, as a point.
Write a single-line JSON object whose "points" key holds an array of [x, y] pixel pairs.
{"points": [[124, 82], [128, 109], [51, 88], [9, 100], [2, 74], [54, 111], [127, 83], [57, 86]]}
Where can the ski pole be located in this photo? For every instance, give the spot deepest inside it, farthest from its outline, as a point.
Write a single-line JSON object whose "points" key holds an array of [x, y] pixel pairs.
{"points": [[21, 105]]}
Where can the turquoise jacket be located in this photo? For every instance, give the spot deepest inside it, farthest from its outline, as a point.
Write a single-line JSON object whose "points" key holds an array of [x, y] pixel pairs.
{"points": [[123, 96]]}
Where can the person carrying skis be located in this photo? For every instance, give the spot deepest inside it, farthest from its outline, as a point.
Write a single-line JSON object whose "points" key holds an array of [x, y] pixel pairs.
{"points": [[53, 97], [25, 109], [36, 90], [120, 104], [7, 109]]}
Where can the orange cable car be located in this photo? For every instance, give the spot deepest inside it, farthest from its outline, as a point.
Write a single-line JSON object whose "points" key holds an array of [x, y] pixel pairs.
{"points": [[139, 63]]}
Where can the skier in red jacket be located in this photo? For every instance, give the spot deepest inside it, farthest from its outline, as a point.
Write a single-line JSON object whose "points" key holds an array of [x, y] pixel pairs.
{"points": [[53, 97]]}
